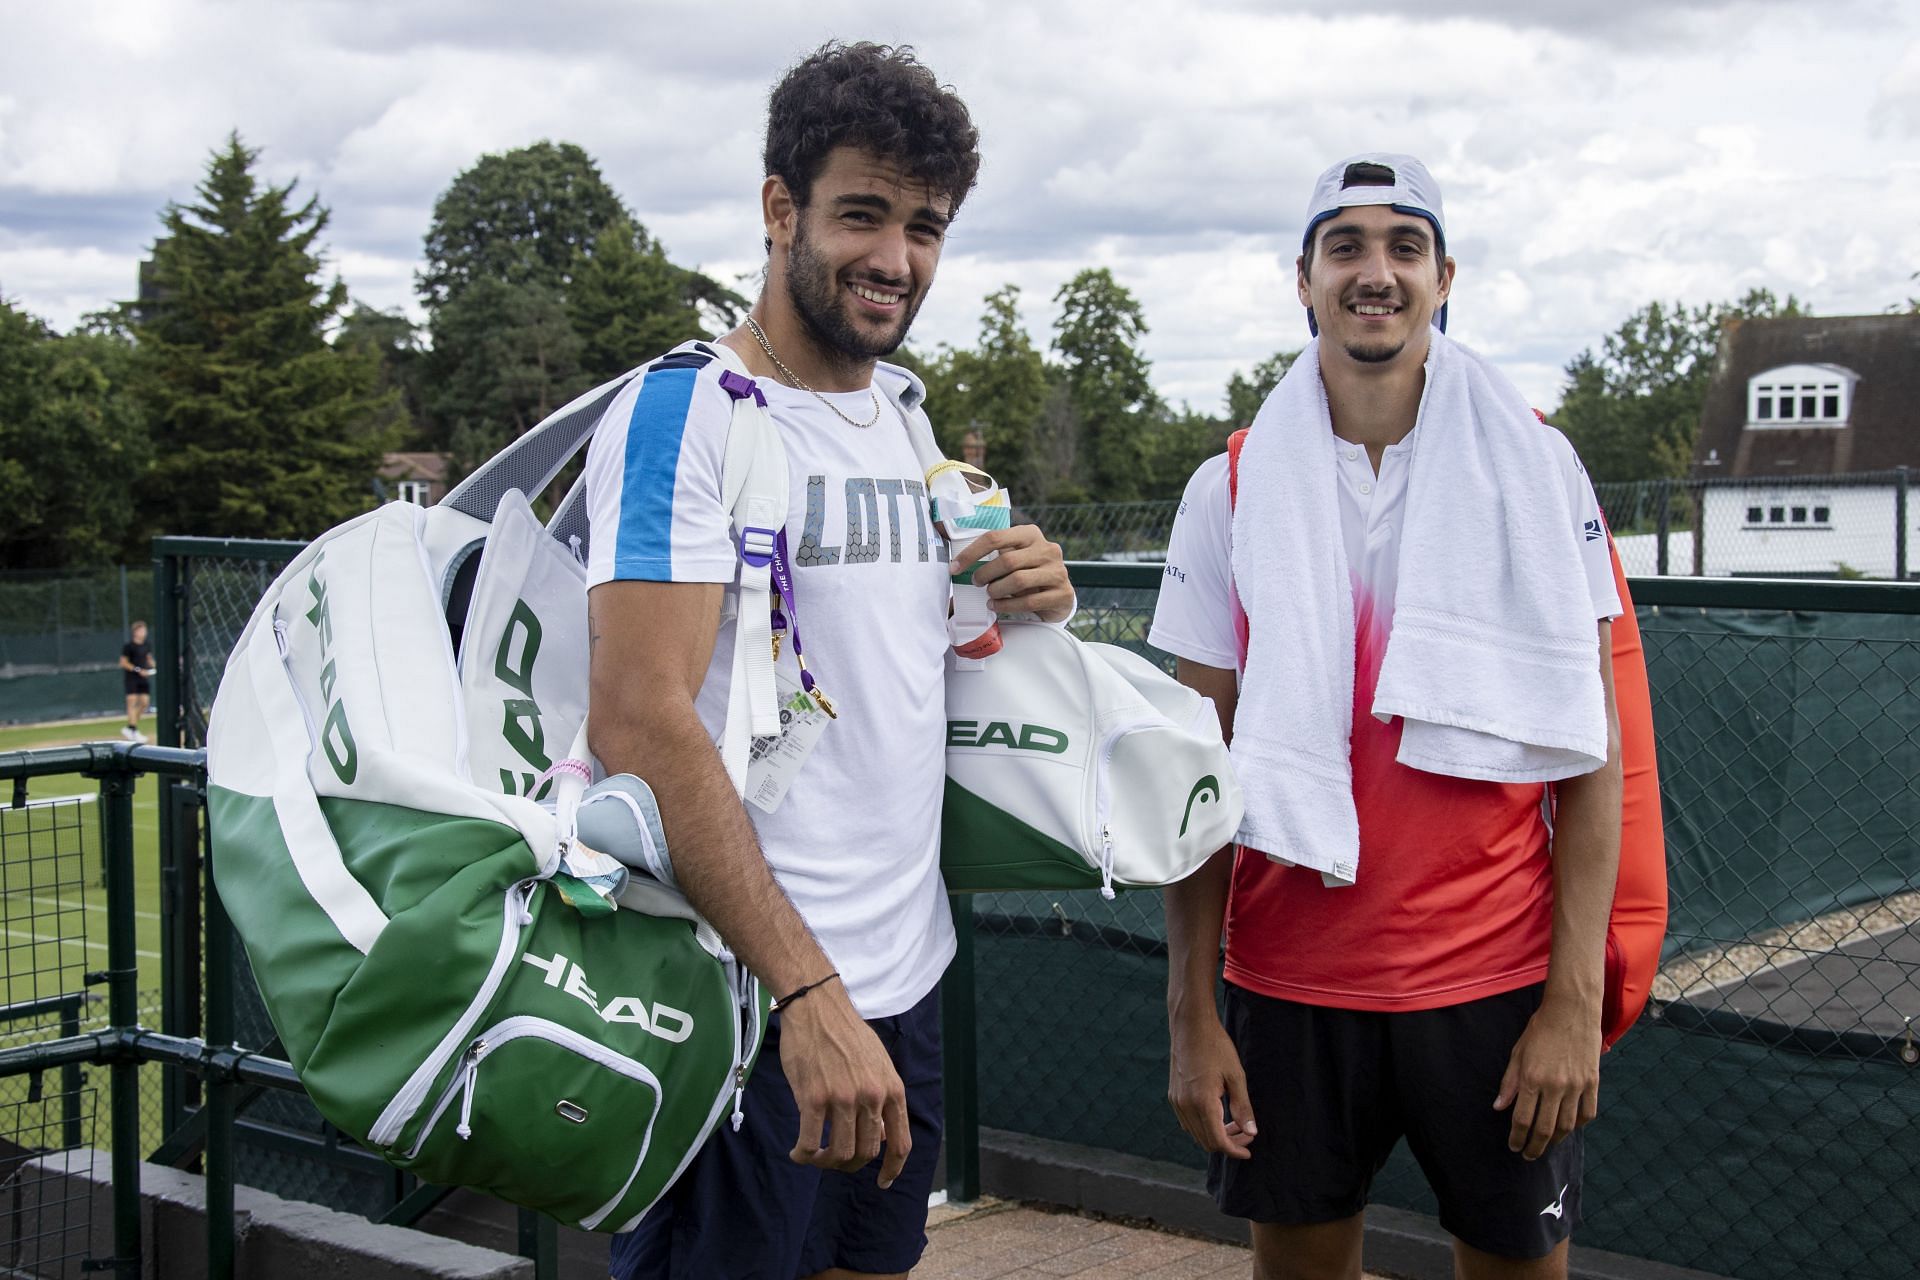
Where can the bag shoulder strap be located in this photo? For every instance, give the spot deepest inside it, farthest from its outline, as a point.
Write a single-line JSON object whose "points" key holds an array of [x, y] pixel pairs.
{"points": [[1235, 443], [753, 484]]}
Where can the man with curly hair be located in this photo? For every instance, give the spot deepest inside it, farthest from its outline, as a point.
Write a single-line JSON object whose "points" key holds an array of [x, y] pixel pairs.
{"points": [[831, 894]]}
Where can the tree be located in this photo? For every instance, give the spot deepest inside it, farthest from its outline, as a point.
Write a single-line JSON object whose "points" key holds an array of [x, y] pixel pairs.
{"points": [[1099, 324], [1245, 394], [1177, 443], [394, 341], [1633, 411], [261, 427], [506, 355], [72, 445], [628, 303], [522, 244], [521, 217], [1002, 386]]}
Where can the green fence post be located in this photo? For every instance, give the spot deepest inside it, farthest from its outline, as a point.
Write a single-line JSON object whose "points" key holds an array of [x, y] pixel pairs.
{"points": [[1665, 525], [180, 938], [539, 1241], [960, 1060], [1900, 525], [220, 1089], [123, 1008], [71, 1135], [166, 650]]}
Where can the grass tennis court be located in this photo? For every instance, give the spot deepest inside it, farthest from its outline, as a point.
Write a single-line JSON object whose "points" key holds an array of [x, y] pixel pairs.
{"points": [[53, 909]]}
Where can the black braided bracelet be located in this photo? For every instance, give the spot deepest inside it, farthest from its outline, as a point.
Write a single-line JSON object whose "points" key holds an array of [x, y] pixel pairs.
{"points": [[796, 993]]}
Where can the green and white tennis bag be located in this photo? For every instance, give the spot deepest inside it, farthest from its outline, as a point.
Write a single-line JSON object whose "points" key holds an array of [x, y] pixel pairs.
{"points": [[438, 953], [1076, 765], [1071, 764]]}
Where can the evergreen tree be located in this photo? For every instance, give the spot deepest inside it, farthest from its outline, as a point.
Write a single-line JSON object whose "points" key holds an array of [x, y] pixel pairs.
{"points": [[394, 341], [1099, 324], [522, 245], [628, 303], [261, 427], [504, 357]]}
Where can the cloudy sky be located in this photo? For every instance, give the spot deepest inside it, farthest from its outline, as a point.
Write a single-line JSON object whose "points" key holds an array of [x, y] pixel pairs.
{"points": [[1594, 156]]}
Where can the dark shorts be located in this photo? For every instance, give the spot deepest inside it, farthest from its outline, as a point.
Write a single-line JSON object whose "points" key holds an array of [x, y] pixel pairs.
{"points": [[1334, 1089], [135, 684], [743, 1211]]}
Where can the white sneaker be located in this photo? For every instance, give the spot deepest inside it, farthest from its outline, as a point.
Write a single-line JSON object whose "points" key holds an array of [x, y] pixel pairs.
{"points": [[128, 732]]}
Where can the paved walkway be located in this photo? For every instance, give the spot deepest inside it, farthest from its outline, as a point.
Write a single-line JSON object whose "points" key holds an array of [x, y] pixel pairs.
{"points": [[1000, 1240]]}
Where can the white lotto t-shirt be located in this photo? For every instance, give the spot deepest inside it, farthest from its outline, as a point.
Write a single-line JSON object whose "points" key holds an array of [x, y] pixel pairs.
{"points": [[1194, 618], [855, 843]]}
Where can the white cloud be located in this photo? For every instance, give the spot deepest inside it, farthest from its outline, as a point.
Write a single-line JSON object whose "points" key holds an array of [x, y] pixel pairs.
{"points": [[1593, 157]]}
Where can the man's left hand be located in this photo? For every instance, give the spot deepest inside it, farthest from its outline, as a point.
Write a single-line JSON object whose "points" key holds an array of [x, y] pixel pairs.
{"points": [[1553, 1077], [1028, 576]]}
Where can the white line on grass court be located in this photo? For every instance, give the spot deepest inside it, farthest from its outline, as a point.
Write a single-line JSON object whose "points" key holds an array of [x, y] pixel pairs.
{"points": [[88, 943], [63, 905]]}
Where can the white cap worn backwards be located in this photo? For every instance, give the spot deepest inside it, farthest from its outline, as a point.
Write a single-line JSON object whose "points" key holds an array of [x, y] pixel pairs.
{"points": [[1378, 177]]}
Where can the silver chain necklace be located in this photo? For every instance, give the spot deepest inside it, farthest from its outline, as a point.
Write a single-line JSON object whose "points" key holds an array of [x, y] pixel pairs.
{"points": [[794, 378]]}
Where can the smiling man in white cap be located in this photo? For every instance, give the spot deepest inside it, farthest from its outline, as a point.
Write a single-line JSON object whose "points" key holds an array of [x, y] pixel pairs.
{"points": [[1396, 583]]}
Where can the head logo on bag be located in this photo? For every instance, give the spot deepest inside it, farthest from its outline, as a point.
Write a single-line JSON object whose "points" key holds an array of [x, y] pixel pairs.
{"points": [[520, 726], [1208, 788], [336, 736], [1001, 733], [670, 1024]]}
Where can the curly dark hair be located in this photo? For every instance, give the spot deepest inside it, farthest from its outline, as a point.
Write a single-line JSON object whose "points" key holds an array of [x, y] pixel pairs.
{"points": [[880, 98]]}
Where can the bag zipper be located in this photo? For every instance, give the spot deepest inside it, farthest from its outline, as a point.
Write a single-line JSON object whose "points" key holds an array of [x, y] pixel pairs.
{"points": [[746, 1032], [407, 1102], [519, 1027], [1100, 802], [523, 1026], [299, 700]]}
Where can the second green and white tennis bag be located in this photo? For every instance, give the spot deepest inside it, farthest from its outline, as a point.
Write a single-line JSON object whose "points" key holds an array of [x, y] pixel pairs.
{"points": [[437, 953], [1072, 764]]}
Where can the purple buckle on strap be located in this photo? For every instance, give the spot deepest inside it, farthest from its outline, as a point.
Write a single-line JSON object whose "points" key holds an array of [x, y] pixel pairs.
{"points": [[739, 386], [756, 546]]}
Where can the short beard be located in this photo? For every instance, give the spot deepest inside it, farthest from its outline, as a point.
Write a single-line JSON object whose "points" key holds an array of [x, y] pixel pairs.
{"points": [[811, 289], [1374, 355]]}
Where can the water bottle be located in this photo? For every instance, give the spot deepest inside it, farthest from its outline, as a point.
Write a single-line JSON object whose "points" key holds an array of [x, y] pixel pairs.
{"points": [[967, 503]]}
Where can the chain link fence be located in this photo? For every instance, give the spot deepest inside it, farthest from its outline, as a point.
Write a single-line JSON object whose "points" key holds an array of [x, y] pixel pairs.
{"points": [[1759, 1120], [60, 639], [46, 872]]}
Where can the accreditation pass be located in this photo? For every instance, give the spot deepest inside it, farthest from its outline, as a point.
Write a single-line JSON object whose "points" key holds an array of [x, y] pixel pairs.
{"points": [[776, 761]]}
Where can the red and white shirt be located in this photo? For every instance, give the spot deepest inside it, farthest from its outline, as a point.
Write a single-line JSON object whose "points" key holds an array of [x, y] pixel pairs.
{"points": [[1456, 901]]}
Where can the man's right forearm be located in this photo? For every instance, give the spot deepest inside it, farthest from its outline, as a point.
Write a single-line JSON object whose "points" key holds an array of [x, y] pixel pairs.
{"points": [[716, 858], [1196, 909]]}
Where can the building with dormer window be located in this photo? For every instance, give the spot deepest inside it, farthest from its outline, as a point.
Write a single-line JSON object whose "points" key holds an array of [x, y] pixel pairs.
{"points": [[1807, 422]]}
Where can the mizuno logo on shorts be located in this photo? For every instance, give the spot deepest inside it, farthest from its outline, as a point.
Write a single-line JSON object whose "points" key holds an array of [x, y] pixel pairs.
{"points": [[1558, 1207]]}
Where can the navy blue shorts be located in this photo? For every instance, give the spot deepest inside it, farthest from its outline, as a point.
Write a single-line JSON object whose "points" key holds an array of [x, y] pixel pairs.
{"points": [[743, 1211]]}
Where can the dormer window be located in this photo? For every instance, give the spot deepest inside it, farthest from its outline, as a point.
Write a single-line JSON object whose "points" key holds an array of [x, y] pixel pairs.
{"points": [[1801, 395]]}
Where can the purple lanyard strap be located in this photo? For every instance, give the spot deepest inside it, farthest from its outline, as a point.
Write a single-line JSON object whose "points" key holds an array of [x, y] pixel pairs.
{"points": [[769, 547]]}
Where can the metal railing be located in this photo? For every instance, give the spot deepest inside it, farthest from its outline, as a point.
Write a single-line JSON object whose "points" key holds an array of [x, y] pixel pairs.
{"points": [[229, 1074]]}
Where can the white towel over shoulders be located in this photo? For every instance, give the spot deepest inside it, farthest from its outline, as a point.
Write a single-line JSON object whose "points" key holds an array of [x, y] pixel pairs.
{"points": [[1493, 656]]}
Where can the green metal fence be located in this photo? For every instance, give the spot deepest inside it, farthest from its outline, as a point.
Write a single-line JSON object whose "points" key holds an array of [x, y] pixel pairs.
{"points": [[1758, 1122]]}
